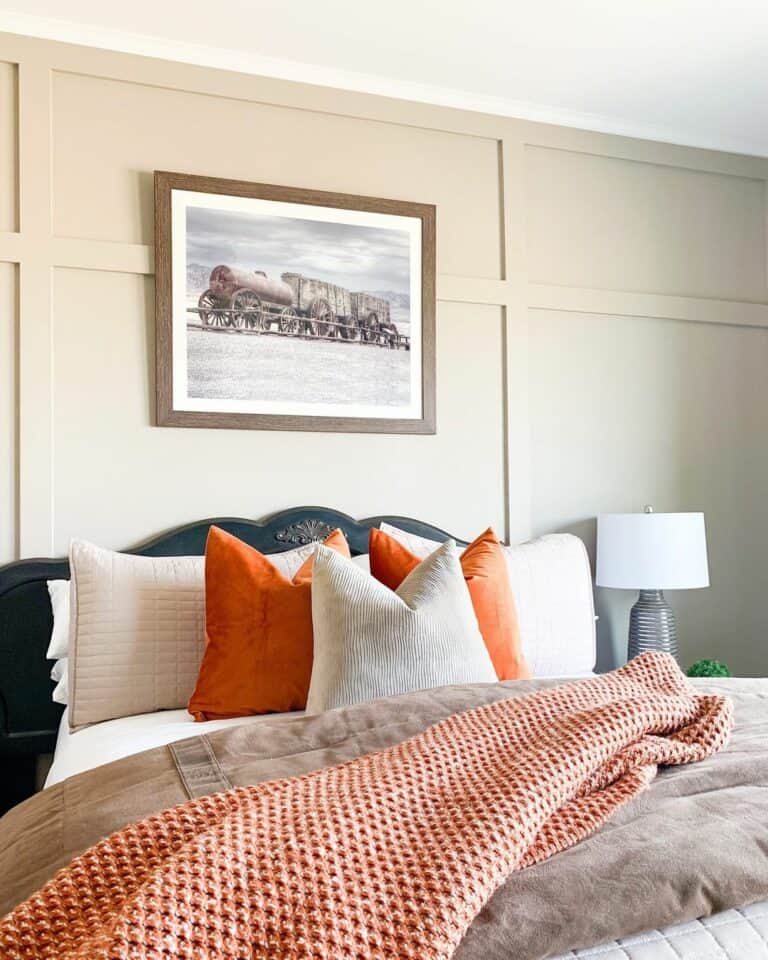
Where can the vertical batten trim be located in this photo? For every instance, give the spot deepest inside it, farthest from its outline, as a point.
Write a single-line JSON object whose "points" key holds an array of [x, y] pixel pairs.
{"points": [[9, 414], [765, 235], [517, 430], [35, 388]]}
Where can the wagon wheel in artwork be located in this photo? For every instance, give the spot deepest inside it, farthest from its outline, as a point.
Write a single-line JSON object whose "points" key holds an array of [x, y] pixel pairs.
{"points": [[246, 310], [370, 328], [348, 328], [206, 306], [288, 321], [322, 317]]}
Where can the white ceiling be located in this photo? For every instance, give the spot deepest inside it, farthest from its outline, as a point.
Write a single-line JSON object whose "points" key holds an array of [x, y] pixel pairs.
{"points": [[686, 71]]}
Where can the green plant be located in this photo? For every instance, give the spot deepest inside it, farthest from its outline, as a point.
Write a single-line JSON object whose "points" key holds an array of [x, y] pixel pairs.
{"points": [[708, 668]]}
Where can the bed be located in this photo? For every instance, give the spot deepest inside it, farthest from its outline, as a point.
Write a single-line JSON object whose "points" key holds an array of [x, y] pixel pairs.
{"points": [[134, 751]]}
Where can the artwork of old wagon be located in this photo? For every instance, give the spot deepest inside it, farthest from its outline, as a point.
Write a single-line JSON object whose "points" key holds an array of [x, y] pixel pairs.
{"points": [[249, 301]]}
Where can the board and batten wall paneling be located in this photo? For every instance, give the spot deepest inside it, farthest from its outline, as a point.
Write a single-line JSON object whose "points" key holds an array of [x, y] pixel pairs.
{"points": [[632, 410], [568, 383], [652, 408], [149, 478]]}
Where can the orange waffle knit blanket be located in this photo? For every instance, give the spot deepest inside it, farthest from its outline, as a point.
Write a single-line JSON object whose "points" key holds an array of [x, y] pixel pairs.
{"points": [[390, 855]]}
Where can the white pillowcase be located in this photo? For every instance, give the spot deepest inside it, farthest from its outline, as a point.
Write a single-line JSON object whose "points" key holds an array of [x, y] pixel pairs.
{"points": [[58, 591], [58, 647], [138, 632], [59, 669], [290, 561], [419, 546], [59, 673], [371, 641], [552, 584]]}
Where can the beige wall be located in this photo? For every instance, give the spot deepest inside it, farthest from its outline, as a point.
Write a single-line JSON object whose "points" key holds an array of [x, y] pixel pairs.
{"points": [[602, 322]]}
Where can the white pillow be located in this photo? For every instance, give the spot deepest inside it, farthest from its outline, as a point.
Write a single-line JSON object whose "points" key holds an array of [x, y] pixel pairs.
{"points": [[371, 641], [59, 673], [58, 647], [59, 669], [552, 583], [61, 692], [58, 591], [420, 547], [137, 635], [290, 561]]}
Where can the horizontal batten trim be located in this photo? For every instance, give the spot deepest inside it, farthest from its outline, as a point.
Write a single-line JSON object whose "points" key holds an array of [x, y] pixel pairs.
{"points": [[652, 305], [81, 254], [472, 290], [77, 253]]}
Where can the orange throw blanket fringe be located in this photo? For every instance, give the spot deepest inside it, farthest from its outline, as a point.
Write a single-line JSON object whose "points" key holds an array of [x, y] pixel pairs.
{"points": [[390, 855]]}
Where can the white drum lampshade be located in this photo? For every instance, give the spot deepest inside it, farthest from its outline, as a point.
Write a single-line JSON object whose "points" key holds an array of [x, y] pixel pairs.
{"points": [[652, 552]]}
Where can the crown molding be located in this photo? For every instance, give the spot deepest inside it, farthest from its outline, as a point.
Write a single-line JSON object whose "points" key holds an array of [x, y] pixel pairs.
{"points": [[239, 61]]}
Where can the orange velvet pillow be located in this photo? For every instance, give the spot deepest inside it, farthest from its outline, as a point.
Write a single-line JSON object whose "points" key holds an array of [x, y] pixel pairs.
{"points": [[485, 572], [258, 658]]}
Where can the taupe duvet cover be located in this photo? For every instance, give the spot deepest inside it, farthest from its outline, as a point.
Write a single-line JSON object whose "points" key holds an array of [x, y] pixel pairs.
{"points": [[694, 843]]}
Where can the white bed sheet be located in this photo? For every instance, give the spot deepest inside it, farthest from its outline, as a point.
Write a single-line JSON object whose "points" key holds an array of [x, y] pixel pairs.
{"points": [[85, 749]]}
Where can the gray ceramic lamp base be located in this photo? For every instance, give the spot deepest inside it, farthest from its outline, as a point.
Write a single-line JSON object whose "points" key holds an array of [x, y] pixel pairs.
{"points": [[652, 625]]}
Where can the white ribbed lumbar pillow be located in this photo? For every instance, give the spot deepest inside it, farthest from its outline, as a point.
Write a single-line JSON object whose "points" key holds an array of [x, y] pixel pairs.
{"points": [[371, 641]]}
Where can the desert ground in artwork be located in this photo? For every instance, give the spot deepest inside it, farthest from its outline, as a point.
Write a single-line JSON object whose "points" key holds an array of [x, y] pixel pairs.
{"points": [[233, 366]]}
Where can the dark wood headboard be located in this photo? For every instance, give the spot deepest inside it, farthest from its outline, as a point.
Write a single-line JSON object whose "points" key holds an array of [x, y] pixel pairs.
{"points": [[28, 717]]}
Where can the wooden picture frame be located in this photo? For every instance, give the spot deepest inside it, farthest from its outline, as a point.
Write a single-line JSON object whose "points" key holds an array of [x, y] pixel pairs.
{"points": [[355, 330]]}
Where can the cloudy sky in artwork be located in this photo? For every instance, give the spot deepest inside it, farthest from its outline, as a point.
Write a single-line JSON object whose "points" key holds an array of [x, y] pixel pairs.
{"points": [[359, 258]]}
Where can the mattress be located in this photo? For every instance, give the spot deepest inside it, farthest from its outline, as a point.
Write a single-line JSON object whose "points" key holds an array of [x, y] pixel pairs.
{"points": [[731, 935], [110, 740]]}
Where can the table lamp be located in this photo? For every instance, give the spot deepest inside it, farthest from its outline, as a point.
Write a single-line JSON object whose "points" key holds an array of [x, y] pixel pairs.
{"points": [[652, 552]]}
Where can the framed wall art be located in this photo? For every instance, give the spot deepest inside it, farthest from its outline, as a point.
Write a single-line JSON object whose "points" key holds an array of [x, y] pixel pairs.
{"points": [[279, 308]]}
